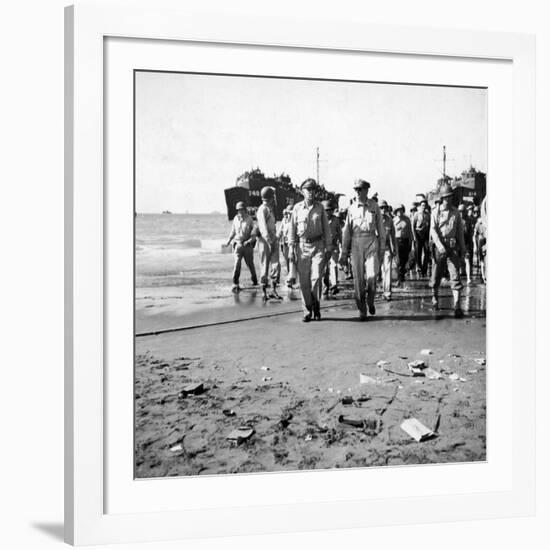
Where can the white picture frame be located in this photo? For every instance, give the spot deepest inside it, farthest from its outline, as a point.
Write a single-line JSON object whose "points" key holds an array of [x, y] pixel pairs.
{"points": [[90, 518]]}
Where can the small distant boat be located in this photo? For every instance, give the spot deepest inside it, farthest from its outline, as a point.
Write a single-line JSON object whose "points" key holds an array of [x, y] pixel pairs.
{"points": [[166, 212]]}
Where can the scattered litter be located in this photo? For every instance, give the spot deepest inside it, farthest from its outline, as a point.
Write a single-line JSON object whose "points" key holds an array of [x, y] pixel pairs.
{"points": [[347, 400], [417, 368], [196, 388], [453, 376], [228, 412], [455, 389], [241, 434], [338, 392], [364, 379], [441, 361], [419, 381], [402, 357], [264, 368], [381, 363], [480, 361], [417, 430], [330, 390], [371, 426], [400, 387], [426, 352], [454, 355], [308, 437], [432, 374], [267, 378], [176, 448], [472, 371], [363, 398], [463, 379]]}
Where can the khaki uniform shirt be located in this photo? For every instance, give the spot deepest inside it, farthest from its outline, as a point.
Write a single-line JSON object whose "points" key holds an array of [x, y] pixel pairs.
{"points": [[421, 222], [335, 231], [310, 224], [242, 228], [363, 220], [267, 224], [403, 229], [447, 230]]}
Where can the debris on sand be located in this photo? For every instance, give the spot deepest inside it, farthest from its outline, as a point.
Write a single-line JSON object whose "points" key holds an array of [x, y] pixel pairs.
{"points": [[472, 371], [347, 400], [241, 434], [264, 368], [432, 374], [381, 364], [480, 361], [417, 430], [371, 426], [176, 448], [267, 378], [454, 377], [417, 368], [228, 412], [195, 388], [426, 352]]}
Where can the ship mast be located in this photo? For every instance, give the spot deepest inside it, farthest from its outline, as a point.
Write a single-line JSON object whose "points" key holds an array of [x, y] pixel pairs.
{"points": [[318, 182]]}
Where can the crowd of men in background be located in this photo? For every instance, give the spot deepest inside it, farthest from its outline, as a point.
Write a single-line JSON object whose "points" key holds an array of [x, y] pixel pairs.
{"points": [[369, 241]]}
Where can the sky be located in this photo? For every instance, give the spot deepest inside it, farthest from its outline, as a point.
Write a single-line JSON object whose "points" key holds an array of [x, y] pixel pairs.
{"points": [[196, 133]]}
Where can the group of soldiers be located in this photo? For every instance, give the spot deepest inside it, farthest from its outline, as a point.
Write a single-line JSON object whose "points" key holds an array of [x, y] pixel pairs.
{"points": [[315, 242]]}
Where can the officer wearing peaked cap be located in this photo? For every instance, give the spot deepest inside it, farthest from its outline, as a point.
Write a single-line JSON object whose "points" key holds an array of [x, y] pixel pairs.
{"points": [[364, 237], [310, 240], [447, 233], [242, 235], [268, 245]]}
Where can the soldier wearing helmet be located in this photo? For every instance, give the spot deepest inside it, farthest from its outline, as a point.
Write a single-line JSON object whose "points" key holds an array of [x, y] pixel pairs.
{"points": [[330, 278], [364, 237], [447, 233], [268, 245], [242, 235], [389, 249], [469, 224], [310, 240]]}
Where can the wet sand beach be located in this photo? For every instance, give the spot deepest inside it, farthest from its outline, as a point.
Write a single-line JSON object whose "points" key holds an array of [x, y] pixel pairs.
{"points": [[286, 380]]}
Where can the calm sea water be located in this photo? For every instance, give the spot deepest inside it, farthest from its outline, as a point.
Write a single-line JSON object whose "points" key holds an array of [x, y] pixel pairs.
{"points": [[181, 249]]}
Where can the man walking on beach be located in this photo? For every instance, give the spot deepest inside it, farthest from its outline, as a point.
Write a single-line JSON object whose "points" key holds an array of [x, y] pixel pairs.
{"points": [[243, 244], [330, 278], [310, 240], [447, 234], [364, 237], [389, 249], [282, 235], [421, 228], [268, 245], [404, 239]]}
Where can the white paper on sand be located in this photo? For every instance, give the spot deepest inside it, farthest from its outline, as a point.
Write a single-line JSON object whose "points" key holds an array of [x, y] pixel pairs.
{"points": [[416, 429]]}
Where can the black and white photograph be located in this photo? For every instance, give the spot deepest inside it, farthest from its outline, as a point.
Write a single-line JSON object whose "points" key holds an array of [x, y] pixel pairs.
{"points": [[310, 274]]}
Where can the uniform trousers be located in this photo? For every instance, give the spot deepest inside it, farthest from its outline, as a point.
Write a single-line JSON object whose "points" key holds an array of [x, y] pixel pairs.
{"points": [[365, 264], [422, 252], [310, 264], [241, 251], [331, 269], [270, 267], [403, 251], [290, 264], [451, 260], [386, 273]]}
